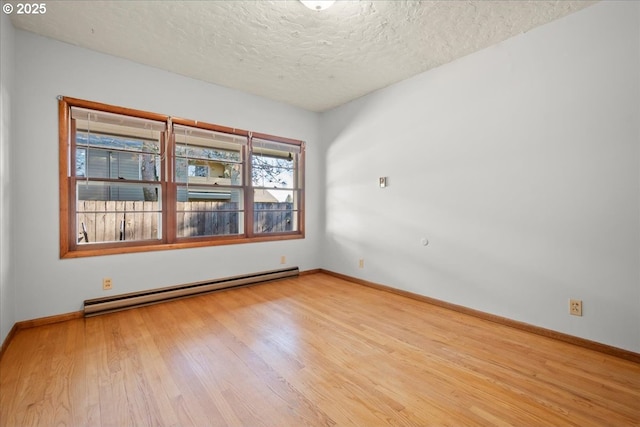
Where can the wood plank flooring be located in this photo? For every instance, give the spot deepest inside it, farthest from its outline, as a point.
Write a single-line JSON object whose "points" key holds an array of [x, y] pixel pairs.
{"points": [[314, 350]]}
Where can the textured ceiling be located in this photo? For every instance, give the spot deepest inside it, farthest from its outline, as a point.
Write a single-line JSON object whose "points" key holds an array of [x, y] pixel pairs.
{"points": [[286, 52]]}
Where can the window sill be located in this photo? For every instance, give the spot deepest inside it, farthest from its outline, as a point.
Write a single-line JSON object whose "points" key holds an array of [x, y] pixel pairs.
{"points": [[117, 249]]}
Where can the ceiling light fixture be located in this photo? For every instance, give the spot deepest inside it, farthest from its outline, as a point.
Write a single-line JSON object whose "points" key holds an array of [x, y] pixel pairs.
{"points": [[318, 5]]}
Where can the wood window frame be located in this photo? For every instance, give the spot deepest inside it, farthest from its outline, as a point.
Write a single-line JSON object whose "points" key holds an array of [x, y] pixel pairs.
{"points": [[69, 247]]}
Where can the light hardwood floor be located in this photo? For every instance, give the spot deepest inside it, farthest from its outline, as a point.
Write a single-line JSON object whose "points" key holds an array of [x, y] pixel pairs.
{"points": [[314, 350]]}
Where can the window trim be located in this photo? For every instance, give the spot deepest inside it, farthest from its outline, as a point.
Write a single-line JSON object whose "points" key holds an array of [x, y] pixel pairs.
{"points": [[69, 247]]}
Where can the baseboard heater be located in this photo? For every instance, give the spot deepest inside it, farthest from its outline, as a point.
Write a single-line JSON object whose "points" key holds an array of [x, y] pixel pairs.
{"points": [[94, 307]]}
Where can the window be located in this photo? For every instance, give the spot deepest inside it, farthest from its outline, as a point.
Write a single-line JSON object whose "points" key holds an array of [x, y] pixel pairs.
{"points": [[133, 181], [276, 186], [210, 182], [118, 196]]}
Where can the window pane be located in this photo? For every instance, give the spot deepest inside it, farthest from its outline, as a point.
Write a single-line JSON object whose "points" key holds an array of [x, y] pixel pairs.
{"points": [[275, 211], [120, 141], [106, 191], [208, 172], [272, 169], [209, 211], [117, 165], [108, 212], [207, 157], [210, 150], [116, 147]]}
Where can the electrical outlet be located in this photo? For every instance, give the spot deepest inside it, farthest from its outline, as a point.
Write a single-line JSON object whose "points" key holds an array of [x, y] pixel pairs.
{"points": [[361, 263], [283, 259], [575, 307], [107, 284]]}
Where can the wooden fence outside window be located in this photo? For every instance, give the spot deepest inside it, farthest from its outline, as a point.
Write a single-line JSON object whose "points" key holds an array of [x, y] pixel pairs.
{"points": [[111, 221]]}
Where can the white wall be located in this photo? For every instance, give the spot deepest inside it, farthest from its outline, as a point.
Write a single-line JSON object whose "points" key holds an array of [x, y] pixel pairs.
{"points": [[7, 295], [519, 163], [46, 285]]}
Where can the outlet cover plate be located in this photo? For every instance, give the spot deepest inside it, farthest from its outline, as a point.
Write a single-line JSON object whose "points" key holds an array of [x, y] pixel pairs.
{"points": [[575, 307]]}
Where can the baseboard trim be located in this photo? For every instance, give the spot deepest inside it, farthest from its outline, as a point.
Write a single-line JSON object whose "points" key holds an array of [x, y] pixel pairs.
{"points": [[42, 321], [582, 342]]}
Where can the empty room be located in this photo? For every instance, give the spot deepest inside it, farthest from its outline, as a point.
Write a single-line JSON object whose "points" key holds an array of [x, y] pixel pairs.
{"points": [[349, 213]]}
